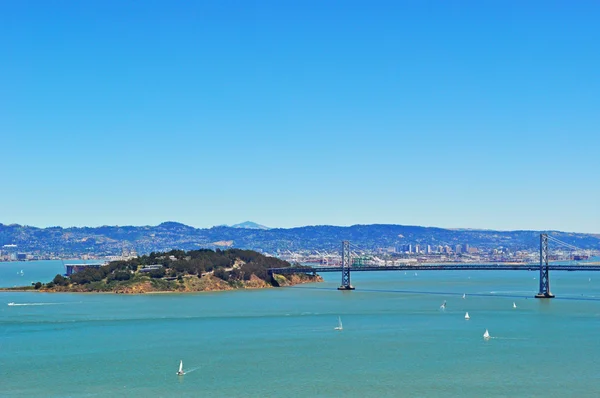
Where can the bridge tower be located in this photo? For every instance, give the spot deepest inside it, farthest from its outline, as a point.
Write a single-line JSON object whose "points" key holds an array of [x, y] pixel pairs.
{"points": [[346, 267], [544, 271]]}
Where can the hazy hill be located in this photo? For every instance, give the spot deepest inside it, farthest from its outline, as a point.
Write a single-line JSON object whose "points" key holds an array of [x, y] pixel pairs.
{"points": [[249, 225]]}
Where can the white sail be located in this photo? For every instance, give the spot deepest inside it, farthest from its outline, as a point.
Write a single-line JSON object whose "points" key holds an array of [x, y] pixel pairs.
{"points": [[180, 372], [486, 335], [514, 305], [464, 295], [467, 317], [339, 326]]}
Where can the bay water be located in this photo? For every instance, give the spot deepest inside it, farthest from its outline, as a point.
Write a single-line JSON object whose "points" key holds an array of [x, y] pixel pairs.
{"points": [[397, 340]]}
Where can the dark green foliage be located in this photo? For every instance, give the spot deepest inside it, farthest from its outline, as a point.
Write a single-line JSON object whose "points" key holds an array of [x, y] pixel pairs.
{"points": [[178, 263], [251, 268], [89, 275], [222, 274], [37, 285], [157, 273], [60, 280], [121, 276]]}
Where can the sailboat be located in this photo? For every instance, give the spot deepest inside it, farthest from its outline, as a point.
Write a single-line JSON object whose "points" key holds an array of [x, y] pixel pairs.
{"points": [[467, 317], [443, 306], [464, 295], [514, 305], [180, 372], [339, 326], [486, 335]]}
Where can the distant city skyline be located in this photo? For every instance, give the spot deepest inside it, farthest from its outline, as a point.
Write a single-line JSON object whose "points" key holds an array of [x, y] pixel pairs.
{"points": [[483, 115]]}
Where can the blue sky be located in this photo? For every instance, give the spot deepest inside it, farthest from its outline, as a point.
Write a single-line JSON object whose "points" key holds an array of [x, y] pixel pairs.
{"points": [[288, 113]]}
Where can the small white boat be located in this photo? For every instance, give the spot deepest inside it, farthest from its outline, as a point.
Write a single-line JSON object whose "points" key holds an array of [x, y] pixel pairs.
{"points": [[180, 372], [464, 295], [11, 303], [467, 317], [443, 306], [486, 335], [514, 305], [339, 326]]}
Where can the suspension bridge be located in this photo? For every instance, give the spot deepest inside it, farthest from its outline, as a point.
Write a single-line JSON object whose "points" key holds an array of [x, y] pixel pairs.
{"points": [[544, 267]]}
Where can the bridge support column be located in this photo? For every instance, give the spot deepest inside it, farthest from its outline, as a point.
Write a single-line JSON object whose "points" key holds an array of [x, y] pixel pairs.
{"points": [[346, 267], [544, 271]]}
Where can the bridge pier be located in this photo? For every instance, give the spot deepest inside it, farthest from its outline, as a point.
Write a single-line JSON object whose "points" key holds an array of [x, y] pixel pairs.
{"points": [[346, 285], [544, 291]]}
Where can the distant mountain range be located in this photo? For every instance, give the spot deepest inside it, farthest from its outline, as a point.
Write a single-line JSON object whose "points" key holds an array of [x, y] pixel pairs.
{"points": [[111, 240]]}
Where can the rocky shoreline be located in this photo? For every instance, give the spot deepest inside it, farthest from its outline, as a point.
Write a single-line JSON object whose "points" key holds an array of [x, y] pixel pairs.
{"points": [[188, 284]]}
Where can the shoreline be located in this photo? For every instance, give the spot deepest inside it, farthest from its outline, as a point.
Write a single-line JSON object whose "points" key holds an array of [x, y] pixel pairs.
{"points": [[212, 289]]}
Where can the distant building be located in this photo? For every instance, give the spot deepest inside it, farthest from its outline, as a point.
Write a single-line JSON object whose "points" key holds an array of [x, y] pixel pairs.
{"points": [[10, 252], [428, 249], [74, 268], [149, 268], [458, 249]]}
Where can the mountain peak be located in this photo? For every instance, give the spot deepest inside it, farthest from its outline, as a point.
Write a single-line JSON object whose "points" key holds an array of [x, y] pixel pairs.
{"points": [[249, 225]]}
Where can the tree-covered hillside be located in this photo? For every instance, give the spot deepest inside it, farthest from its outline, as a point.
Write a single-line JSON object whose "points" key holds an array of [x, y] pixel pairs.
{"points": [[177, 270]]}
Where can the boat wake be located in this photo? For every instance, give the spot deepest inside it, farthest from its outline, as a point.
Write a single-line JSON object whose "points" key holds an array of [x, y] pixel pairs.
{"points": [[28, 304], [507, 292], [191, 370]]}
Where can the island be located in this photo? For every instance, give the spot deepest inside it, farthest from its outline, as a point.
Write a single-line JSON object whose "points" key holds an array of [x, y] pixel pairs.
{"points": [[179, 271]]}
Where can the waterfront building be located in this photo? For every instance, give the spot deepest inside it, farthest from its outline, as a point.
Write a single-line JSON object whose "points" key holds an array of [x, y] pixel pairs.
{"points": [[74, 268]]}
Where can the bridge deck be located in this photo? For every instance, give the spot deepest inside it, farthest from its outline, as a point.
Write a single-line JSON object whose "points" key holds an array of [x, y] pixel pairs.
{"points": [[432, 267]]}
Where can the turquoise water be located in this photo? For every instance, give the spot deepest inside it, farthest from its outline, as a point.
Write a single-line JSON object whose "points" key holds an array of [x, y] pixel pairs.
{"points": [[33, 271], [396, 341]]}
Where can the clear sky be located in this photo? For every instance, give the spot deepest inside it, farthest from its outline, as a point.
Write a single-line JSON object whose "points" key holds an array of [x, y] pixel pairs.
{"points": [[475, 114]]}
